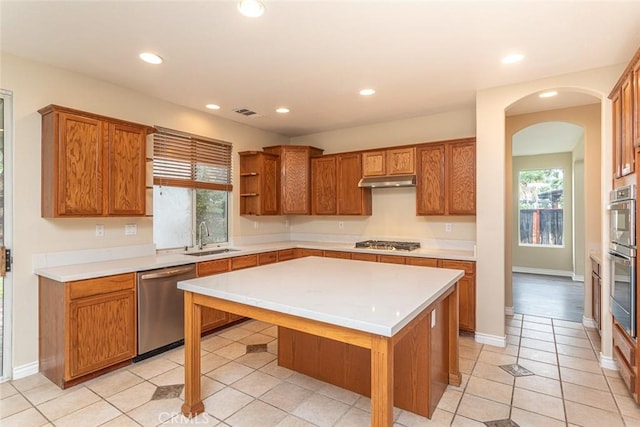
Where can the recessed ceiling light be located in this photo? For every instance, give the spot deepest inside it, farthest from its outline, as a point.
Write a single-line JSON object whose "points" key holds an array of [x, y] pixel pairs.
{"points": [[282, 110], [150, 58], [213, 106], [512, 59], [251, 8], [367, 92], [548, 94]]}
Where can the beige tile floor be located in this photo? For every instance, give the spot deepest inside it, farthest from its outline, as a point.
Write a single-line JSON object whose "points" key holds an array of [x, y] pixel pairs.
{"points": [[568, 387]]}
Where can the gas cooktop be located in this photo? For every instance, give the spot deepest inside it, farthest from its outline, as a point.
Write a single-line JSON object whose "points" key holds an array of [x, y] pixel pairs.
{"points": [[388, 245]]}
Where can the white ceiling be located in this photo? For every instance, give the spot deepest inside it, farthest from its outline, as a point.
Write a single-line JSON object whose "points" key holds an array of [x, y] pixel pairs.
{"points": [[546, 138], [422, 57]]}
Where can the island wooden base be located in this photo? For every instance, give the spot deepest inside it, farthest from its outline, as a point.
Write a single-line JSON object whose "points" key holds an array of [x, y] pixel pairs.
{"points": [[420, 361], [441, 340]]}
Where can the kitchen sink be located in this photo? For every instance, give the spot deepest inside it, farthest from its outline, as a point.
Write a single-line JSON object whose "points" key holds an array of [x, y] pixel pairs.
{"points": [[211, 252]]}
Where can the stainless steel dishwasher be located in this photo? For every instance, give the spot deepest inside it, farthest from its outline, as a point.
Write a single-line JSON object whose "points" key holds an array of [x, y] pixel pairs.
{"points": [[161, 309]]}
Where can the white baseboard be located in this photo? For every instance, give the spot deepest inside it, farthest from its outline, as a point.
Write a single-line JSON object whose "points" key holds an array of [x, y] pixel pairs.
{"points": [[508, 311], [607, 362], [577, 278], [544, 271], [493, 340], [25, 370], [588, 322]]}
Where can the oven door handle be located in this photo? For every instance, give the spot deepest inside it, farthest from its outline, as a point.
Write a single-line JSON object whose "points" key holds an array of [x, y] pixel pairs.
{"points": [[626, 259]]}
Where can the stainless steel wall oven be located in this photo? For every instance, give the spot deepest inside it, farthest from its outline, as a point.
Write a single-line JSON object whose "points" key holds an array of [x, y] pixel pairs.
{"points": [[622, 253]]}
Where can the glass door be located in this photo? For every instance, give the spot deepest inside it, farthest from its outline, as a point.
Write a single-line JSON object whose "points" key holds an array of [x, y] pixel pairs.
{"points": [[6, 135]]}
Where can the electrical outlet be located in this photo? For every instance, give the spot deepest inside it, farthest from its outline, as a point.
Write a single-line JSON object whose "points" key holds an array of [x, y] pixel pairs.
{"points": [[447, 227], [99, 230], [255, 224], [130, 229], [341, 225]]}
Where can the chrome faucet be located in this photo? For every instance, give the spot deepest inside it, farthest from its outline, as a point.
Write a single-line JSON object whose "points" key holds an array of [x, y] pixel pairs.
{"points": [[201, 245]]}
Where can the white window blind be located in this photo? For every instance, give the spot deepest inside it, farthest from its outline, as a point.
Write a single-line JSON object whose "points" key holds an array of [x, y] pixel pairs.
{"points": [[184, 160]]}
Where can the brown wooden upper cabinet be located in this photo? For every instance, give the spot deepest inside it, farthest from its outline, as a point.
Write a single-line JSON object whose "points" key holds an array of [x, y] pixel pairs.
{"points": [[626, 121], [334, 188], [391, 161], [259, 183], [295, 177], [92, 165], [446, 178]]}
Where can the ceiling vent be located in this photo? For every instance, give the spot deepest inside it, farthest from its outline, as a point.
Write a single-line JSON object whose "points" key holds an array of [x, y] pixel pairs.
{"points": [[246, 112]]}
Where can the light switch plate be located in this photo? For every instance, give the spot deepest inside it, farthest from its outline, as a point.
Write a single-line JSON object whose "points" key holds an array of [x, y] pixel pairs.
{"points": [[130, 229]]}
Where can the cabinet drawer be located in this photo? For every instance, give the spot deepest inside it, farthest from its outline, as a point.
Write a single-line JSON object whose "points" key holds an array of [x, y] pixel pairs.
{"points": [[468, 266], [624, 346], [207, 268], [392, 259], [300, 252], [244, 262], [285, 255], [267, 258], [101, 285], [625, 371], [337, 254], [364, 257], [422, 262]]}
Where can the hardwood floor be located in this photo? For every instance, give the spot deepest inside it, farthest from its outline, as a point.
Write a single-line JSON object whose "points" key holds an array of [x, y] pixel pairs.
{"points": [[548, 296]]}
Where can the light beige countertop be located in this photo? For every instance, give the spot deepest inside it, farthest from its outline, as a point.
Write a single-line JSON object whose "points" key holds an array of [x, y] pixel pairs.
{"points": [[89, 270]]}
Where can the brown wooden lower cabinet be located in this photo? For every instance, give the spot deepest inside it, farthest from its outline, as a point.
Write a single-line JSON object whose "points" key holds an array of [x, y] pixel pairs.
{"points": [[267, 257], [625, 356], [303, 252], [391, 259], [337, 254], [286, 254], [86, 327], [359, 256], [466, 292], [212, 318]]}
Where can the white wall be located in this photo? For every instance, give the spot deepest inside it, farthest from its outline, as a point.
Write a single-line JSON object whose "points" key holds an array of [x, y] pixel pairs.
{"points": [[491, 164], [35, 86]]}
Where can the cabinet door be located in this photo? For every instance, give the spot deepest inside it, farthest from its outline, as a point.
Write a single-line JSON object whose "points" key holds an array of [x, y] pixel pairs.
{"points": [[212, 318], [626, 117], [102, 332], [466, 292], [295, 181], [401, 161], [127, 167], [595, 299], [430, 189], [636, 103], [352, 200], [323, 186], [269, 184], [616, 106], [373, 163], [80, 166], [461, 167]]}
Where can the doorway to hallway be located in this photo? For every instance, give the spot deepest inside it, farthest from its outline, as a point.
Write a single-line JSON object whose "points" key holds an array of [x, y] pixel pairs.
{"points": [[548, 296]]}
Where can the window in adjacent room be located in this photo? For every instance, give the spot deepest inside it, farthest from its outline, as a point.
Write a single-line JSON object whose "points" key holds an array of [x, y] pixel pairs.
{"points": [[541, 207], [192, 181]]}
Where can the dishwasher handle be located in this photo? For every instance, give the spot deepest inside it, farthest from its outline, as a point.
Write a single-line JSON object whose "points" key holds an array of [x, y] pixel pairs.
{"points": [[167, 273]]}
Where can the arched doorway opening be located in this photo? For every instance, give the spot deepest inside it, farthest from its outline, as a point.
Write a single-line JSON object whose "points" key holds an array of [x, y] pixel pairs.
{"points": [[554, 261]]}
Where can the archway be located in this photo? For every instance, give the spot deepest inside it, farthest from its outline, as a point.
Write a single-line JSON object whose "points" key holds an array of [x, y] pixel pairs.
{"points": [[545, 205], [583, 124]]}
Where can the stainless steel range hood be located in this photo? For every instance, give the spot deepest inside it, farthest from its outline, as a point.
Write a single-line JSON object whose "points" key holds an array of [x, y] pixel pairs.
{"points": [[388, 181]]}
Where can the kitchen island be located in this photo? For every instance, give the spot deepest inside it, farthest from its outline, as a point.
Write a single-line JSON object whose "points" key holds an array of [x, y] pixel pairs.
{"points": [[396, 313]]}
